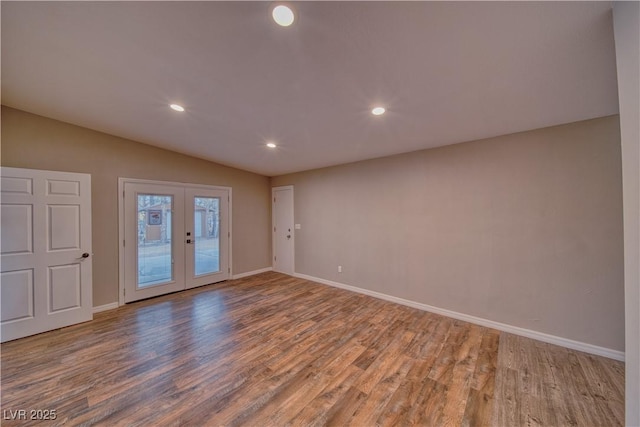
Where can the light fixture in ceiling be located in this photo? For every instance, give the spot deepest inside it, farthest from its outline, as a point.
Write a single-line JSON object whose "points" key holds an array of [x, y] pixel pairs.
{"points": [[177, 107], [378, 111], [283, 15], [271, 145]]}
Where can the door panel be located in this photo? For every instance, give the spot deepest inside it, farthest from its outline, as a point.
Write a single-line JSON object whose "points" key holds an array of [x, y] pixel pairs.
{"points": [[46, 229], [17, 229], [64, 287], [62, 188], [154, 224], [17, 295], [16, 185], [64, 227], [207, 236]]}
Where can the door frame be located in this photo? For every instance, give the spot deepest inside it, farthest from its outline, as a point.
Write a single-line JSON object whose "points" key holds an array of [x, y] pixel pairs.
{"points": [[121, 216], [273, 224]]}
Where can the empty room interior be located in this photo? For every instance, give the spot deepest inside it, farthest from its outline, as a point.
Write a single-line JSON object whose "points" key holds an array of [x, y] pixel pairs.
{"points": [[320, 213]]}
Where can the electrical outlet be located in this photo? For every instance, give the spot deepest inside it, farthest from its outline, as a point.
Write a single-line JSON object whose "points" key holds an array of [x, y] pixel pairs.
{"points": [[339, 269]]}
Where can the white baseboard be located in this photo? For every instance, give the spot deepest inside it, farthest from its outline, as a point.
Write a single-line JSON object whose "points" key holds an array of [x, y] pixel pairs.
{"points": [[540, 336], [105, 307], [251, 273]]}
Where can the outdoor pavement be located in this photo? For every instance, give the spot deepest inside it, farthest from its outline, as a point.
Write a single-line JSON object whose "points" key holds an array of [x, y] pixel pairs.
{"points": [[154, 260]]}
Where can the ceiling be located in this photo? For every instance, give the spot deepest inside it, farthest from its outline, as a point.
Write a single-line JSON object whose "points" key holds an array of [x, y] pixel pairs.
{"points": [[447, 72]]}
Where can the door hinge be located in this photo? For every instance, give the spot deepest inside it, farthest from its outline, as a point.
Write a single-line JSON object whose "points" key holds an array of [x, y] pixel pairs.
{"points": [[123, 245], [274, 229], [229, 270], [124, 292], [274, 200], [229, 234], [275, 258]]}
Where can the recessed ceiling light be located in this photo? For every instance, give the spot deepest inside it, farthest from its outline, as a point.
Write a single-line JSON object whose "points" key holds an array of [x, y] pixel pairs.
{"points": [[271, 145], [378, 111], [283, 15], [177, 107]]}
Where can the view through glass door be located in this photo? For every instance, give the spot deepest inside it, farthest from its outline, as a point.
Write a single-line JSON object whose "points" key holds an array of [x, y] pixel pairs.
{"points": [[175, 238], [207, 236], [155, 239]]}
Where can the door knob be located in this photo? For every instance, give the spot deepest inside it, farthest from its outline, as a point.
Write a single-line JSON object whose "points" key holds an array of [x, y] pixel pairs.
{"points": [[288, 236], [85, 255]]}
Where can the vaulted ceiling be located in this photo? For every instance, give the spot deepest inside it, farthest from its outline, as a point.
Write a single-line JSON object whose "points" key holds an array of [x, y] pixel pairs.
{"points": [[447, 72]]}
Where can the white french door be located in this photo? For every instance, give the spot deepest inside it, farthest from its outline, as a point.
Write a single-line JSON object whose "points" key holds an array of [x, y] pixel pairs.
{"points": [[176, 237], [153, 244], [207, 236], [46, 251]]}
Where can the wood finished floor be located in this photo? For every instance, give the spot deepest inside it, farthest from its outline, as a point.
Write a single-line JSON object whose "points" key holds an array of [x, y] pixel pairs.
{"points": [[275, 350]]}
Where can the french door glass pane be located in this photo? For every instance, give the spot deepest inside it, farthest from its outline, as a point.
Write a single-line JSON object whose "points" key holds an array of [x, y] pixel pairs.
{"points": [[154, 239], [206, 232]]}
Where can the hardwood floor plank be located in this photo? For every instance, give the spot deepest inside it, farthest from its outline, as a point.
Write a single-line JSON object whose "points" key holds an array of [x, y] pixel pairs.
{"points": [[429, 407], [415, 384], [342, 412], [606, 394], [507, 400], [276, 350], [318, 411], [459, 385], [397, 409], [384, 361], [484, 374], [382, 392]]}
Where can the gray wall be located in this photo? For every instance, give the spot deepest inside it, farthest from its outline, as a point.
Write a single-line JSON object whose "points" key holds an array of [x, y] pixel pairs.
{"points": [[524, 229], [35, 142], [626, 21]]}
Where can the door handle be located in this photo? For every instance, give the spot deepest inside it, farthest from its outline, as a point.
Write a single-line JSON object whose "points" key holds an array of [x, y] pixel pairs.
{"points": [[85, 255], [288, 236]]}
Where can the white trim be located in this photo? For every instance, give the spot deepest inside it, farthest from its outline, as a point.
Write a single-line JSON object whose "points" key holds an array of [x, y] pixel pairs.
{"points": [[121, 182], [251, 273], [230, 239], [105, 307], [171, 183], [540, 336]]}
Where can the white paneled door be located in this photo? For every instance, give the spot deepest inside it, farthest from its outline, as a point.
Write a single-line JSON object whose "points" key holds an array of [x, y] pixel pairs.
{"points": [[175, 237], [283, 229], [46, 254]]}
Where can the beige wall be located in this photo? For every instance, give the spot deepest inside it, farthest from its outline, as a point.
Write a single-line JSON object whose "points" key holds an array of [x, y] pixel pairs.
{"points": [[524, 229], [35, 142]]}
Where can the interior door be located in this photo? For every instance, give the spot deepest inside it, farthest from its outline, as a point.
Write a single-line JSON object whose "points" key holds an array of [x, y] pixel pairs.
{"points": [[283, 229], [153, 244], [46, 280], [206, 235]]}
